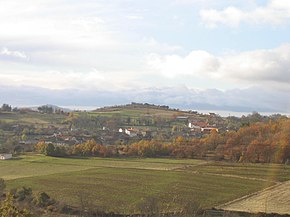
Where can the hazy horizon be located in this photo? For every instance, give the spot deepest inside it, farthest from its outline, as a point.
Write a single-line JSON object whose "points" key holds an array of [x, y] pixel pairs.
{"points": [[222, 113]]}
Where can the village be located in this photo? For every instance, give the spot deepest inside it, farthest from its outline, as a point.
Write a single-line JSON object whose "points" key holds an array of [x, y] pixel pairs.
{"points": [[71, 128], [22, 129]]}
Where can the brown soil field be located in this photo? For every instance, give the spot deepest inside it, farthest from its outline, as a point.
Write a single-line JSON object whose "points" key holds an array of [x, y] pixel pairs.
{"points": [[275, 199]]}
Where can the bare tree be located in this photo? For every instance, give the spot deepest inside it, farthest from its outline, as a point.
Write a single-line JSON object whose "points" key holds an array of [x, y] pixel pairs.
{"points": [[149, 207]]}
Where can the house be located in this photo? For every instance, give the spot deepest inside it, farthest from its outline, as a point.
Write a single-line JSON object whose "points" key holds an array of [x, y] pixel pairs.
{"points": [[5, 156], [209, 129], [194, 128], [197, 124], [201, 126], [131, 132]]}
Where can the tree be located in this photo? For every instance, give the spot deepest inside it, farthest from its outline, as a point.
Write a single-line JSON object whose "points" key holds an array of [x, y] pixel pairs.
{"points": [[23, 194], [8, 208], [45, 109], [40, 147], [54, 150], [213, 140], [6, 108], [180, 140], [2, 186], [24, 137], [43, 200], [49, 150]]}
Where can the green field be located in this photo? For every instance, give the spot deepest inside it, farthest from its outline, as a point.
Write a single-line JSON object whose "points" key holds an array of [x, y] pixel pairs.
{"points": [[120, 184], [263, 172], [32, 118], [136, 112]]}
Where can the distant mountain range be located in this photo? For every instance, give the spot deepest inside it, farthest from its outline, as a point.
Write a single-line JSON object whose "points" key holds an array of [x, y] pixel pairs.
{"points": [[237, 100]]}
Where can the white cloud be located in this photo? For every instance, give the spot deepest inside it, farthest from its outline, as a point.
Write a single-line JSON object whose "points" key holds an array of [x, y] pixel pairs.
{"points": [[134, 17], [198, 68], [276, 12], [194, 2], [74, 35], [65, 35], [261, 65], [75, 25], [196, 63], [54, 79], [230, 16], [26, 75], [152, 45], [258, 66], [5, 52]]}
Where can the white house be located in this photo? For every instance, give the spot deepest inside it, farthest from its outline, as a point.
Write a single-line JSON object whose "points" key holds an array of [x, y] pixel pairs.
{"points": [[197, 124], [5, 156], [131, 132], [194, 127]]}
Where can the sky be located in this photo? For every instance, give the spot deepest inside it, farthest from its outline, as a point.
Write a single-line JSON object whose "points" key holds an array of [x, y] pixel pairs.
{"points": [[191, 54]]}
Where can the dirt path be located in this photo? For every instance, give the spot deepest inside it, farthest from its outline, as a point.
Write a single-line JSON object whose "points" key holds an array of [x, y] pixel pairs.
{"points": [[240, 177], [275, 199]]}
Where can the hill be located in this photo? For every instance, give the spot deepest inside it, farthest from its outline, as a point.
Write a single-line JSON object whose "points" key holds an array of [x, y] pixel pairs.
{"points": [[145, 109]]}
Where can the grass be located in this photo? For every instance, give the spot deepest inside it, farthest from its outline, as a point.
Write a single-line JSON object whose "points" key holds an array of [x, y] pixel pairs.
{"points": [[38, 165], [267, 172], [121, 190], [32, 118], [138, 112], [120, 184]]}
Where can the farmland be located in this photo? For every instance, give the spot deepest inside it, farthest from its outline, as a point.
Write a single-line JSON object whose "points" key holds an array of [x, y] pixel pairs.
{"points": [[119, 185], [271, 200]]}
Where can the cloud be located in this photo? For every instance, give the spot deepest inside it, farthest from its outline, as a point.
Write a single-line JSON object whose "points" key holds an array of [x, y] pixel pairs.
{"points": [[195, 63], [194, 2], [76, 36], [54, 79], [230, 16], [269, 67], [258, 66], [74, 26], [152, 45], [275, 13], [134, 17], [14, 54], [198, 68]]}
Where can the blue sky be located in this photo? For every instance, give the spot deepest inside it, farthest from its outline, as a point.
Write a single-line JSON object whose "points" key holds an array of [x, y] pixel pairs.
{"points": [[190, 53]]}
